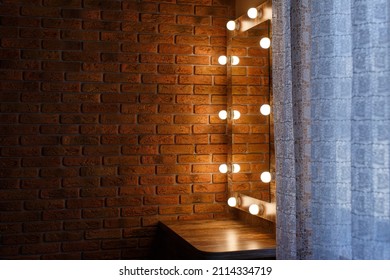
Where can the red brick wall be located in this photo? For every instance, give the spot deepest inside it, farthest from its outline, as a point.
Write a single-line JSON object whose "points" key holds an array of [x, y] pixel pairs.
{"points": [[108, 123]]}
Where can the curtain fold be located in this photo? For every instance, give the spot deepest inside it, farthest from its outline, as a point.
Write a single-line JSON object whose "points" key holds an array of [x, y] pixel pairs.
{"points": [[331, 76]]}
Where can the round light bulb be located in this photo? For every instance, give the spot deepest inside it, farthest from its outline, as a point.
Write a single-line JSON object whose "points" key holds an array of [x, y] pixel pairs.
{"points": [[222, 114], [265, 177], [222, 60], [236, 115], [231, 25], [223, 168], [265, 43], [236, 168], [235, 60], [265, 109], [254, 209], [232, 201], [252, 13]]}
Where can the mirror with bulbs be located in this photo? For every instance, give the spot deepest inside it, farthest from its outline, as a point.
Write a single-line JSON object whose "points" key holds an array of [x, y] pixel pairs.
{"points": [[251, 161]]}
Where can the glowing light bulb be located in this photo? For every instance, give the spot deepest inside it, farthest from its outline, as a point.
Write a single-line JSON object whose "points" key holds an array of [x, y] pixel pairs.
{"points": [[265, 177], [232, 201], [265, 109], [236, 115], [265, 43], [252, 13], [236, 168], [254, 209], [222, 60], [231, 25], [235, 60], [222, 114], [223, 168]]}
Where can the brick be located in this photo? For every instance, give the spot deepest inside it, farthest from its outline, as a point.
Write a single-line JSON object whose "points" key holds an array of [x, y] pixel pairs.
{"points": [[39, 162], [100, 213], [103, 234], [197, 198], [58, 172], [123, 201], [78, 182], [98, 171], [175, 49], [90, 191], [115, 119], [160, 159], [119, 244], [177, 149], [156, 58], [175, 89], [156, 139], [211, 149], [21, 239], [130, 170], [195, 80], [81, 246], [157, 18], [192, 139], [157, 180], [169, 210], [210, 31], [156, 39], [193, 20], [101, 150], [138, 68], [210, 50], [210, 208], [59, 193], [192, 40], [81, 161], [159, 79], [84, 203], [194, 158], [82, 224], [174, 169], [61, 23], [135, 150], [200, 178], [61, 214], [139, 211], [121, 160], [122, 223], [174, 129], [44, 204], [63, 236], [161, 200], [176, 9], [189, 119], [36, 249], [194, 60], [43, 226], [205, 168], [175, 69], [176, 189]]}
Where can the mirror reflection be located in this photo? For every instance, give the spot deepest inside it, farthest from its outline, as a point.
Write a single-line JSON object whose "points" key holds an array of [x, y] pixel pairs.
{"points": [[250, 102]]}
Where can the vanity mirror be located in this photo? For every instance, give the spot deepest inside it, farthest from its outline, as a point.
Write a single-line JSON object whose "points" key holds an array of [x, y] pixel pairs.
{"points": [[251, 183]]}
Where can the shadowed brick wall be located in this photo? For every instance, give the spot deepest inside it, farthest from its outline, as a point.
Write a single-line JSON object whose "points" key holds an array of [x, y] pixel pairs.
{"points": [[108, 123]]}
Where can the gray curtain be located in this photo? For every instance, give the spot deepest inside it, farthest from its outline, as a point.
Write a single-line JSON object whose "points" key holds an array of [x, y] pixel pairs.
{"points": [[331, 76]]}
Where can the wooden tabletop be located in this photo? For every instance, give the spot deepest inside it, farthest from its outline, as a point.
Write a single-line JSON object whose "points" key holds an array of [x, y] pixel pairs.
{"points": [[223, 238]]}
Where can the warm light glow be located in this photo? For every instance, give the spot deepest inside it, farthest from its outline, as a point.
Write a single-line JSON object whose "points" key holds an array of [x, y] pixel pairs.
{"points": [[254, 209], [236, 168], [265, 109], [265, 177], [231, 25], [223, 168], [222, 60], [236, 115], [235, 60], [232, 201], [222, 114], [265, 43], [252, 13]]}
